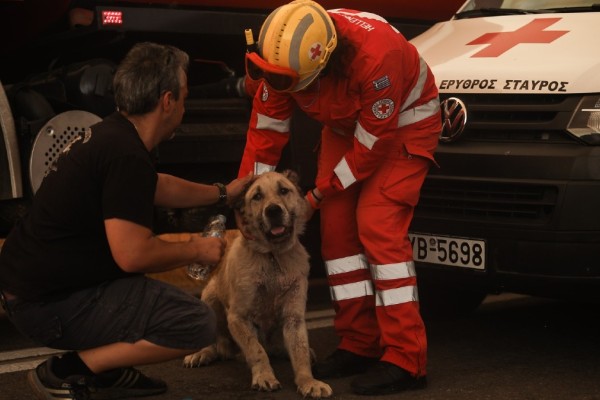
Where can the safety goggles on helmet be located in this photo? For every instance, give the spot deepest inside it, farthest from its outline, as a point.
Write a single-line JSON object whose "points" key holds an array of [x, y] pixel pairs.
{"points": [[279, 78]]}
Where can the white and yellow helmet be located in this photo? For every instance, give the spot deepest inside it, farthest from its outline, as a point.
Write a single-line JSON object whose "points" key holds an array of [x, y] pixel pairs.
{"points": [[300, 36]]}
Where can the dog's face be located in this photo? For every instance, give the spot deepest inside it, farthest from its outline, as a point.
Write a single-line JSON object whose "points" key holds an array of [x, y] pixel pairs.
{"points": [[274, 210]]}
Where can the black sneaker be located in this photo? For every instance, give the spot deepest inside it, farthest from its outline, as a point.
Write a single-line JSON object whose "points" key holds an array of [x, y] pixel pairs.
{"points": [[386, 378], [124, 383], [48, 386], [342, 363]]}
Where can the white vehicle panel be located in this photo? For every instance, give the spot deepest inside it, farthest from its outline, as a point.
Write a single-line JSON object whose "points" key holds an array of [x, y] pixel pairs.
{"points": [[555, 53]]}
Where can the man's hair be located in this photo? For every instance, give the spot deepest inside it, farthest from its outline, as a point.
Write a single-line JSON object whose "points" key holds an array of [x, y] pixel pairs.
{"points": [[147, 71]]}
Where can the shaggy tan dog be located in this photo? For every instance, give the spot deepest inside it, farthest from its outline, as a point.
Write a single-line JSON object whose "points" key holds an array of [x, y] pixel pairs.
{"points": [[259, 290]]}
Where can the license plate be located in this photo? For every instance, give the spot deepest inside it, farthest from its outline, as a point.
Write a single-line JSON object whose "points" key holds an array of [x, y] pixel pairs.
{"points": [[448, 250]]}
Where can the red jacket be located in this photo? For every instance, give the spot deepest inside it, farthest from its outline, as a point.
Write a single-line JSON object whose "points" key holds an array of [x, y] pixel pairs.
{"points": [[386, 94]]}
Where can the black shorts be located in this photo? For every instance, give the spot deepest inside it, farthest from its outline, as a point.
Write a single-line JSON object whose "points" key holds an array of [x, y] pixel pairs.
{"points": [[124, 310]]}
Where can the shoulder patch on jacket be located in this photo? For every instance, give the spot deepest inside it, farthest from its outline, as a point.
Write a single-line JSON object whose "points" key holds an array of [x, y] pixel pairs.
{"points": [[383, 108], [382, 83]]}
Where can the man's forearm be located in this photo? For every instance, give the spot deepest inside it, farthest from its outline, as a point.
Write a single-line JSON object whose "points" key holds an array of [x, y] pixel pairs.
{"points": [[174, 192]]}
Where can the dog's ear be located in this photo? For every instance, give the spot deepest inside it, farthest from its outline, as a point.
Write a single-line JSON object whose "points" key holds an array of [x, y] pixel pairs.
{"points": [[239, 202], [292, 176]]}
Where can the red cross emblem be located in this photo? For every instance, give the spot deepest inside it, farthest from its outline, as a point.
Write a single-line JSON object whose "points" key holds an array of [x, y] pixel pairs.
{"points": [[383, 108], [533, 32], [315, 51]]}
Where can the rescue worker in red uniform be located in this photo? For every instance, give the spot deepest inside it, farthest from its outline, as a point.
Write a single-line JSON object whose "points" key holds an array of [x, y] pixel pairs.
{"points": [[377, 101]]}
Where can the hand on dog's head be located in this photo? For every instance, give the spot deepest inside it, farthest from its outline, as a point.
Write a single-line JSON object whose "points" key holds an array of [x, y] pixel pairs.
{"points": [[272, 208], [288, 173]]}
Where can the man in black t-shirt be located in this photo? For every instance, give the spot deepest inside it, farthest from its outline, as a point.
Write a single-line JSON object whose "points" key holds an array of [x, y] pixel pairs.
{"points": [[72, 272]]}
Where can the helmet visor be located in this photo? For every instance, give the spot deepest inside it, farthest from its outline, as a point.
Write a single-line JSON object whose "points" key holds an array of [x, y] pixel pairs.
{"points": [[279, 78]]}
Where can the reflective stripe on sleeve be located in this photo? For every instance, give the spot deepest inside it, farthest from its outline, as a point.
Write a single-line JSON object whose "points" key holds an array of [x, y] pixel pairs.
{"points": [[260, 168], [419, 113], [351, 290], [401, 295], [344, 173], [364, 137], [277, 125], [393, 271], [416, 91], [346, 264]]}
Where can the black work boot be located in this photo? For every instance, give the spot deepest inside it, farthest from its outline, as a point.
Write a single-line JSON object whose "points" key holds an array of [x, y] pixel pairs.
{"points": [[342, 363], [386, 378]]}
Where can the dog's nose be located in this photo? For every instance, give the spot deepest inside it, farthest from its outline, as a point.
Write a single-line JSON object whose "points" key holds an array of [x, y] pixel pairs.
{"points": [[273, 211]]}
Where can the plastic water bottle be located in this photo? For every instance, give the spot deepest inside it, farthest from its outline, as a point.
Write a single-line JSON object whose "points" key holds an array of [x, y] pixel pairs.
{"points": [[214, 228]]}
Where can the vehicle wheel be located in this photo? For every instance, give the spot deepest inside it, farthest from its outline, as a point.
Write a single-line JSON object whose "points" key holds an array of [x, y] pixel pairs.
{"points": [[439, 301]]}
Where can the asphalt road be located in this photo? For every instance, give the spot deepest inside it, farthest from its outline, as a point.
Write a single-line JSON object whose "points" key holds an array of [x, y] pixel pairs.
{"points": [[513, 347]]}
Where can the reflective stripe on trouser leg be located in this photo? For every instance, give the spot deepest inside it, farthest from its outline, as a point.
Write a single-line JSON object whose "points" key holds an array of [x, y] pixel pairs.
{"points": [[403, 336], [384, 213], [348, 272], [354, 302]]}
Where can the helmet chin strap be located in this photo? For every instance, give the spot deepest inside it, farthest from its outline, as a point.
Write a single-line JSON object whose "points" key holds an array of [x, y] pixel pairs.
{"points": [[303, 84], [315, 94]]}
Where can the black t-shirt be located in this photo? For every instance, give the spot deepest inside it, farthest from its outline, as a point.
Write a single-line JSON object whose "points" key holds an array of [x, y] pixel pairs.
{"points": [[61, 245]]}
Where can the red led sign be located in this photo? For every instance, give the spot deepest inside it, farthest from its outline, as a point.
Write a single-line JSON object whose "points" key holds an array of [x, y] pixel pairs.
{"points": [[112, 17]]}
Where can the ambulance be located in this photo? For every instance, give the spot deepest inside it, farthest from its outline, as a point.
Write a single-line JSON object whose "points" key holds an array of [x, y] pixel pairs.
{"points": [[514, 205]]}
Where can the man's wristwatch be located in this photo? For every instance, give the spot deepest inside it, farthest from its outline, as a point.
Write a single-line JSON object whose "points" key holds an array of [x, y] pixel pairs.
{"points": [[222, 194]]}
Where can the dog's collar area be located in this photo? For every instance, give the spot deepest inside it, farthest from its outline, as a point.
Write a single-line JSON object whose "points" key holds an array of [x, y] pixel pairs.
{"points": [[273, 260]]}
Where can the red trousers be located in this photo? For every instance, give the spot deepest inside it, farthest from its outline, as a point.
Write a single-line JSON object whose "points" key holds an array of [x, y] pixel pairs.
{"points": [[368, 256]]}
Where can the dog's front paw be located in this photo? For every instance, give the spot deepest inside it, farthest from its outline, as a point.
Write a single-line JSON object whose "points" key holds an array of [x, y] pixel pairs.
{"points": [[265, 382], [314, 388], [203, 357]]}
